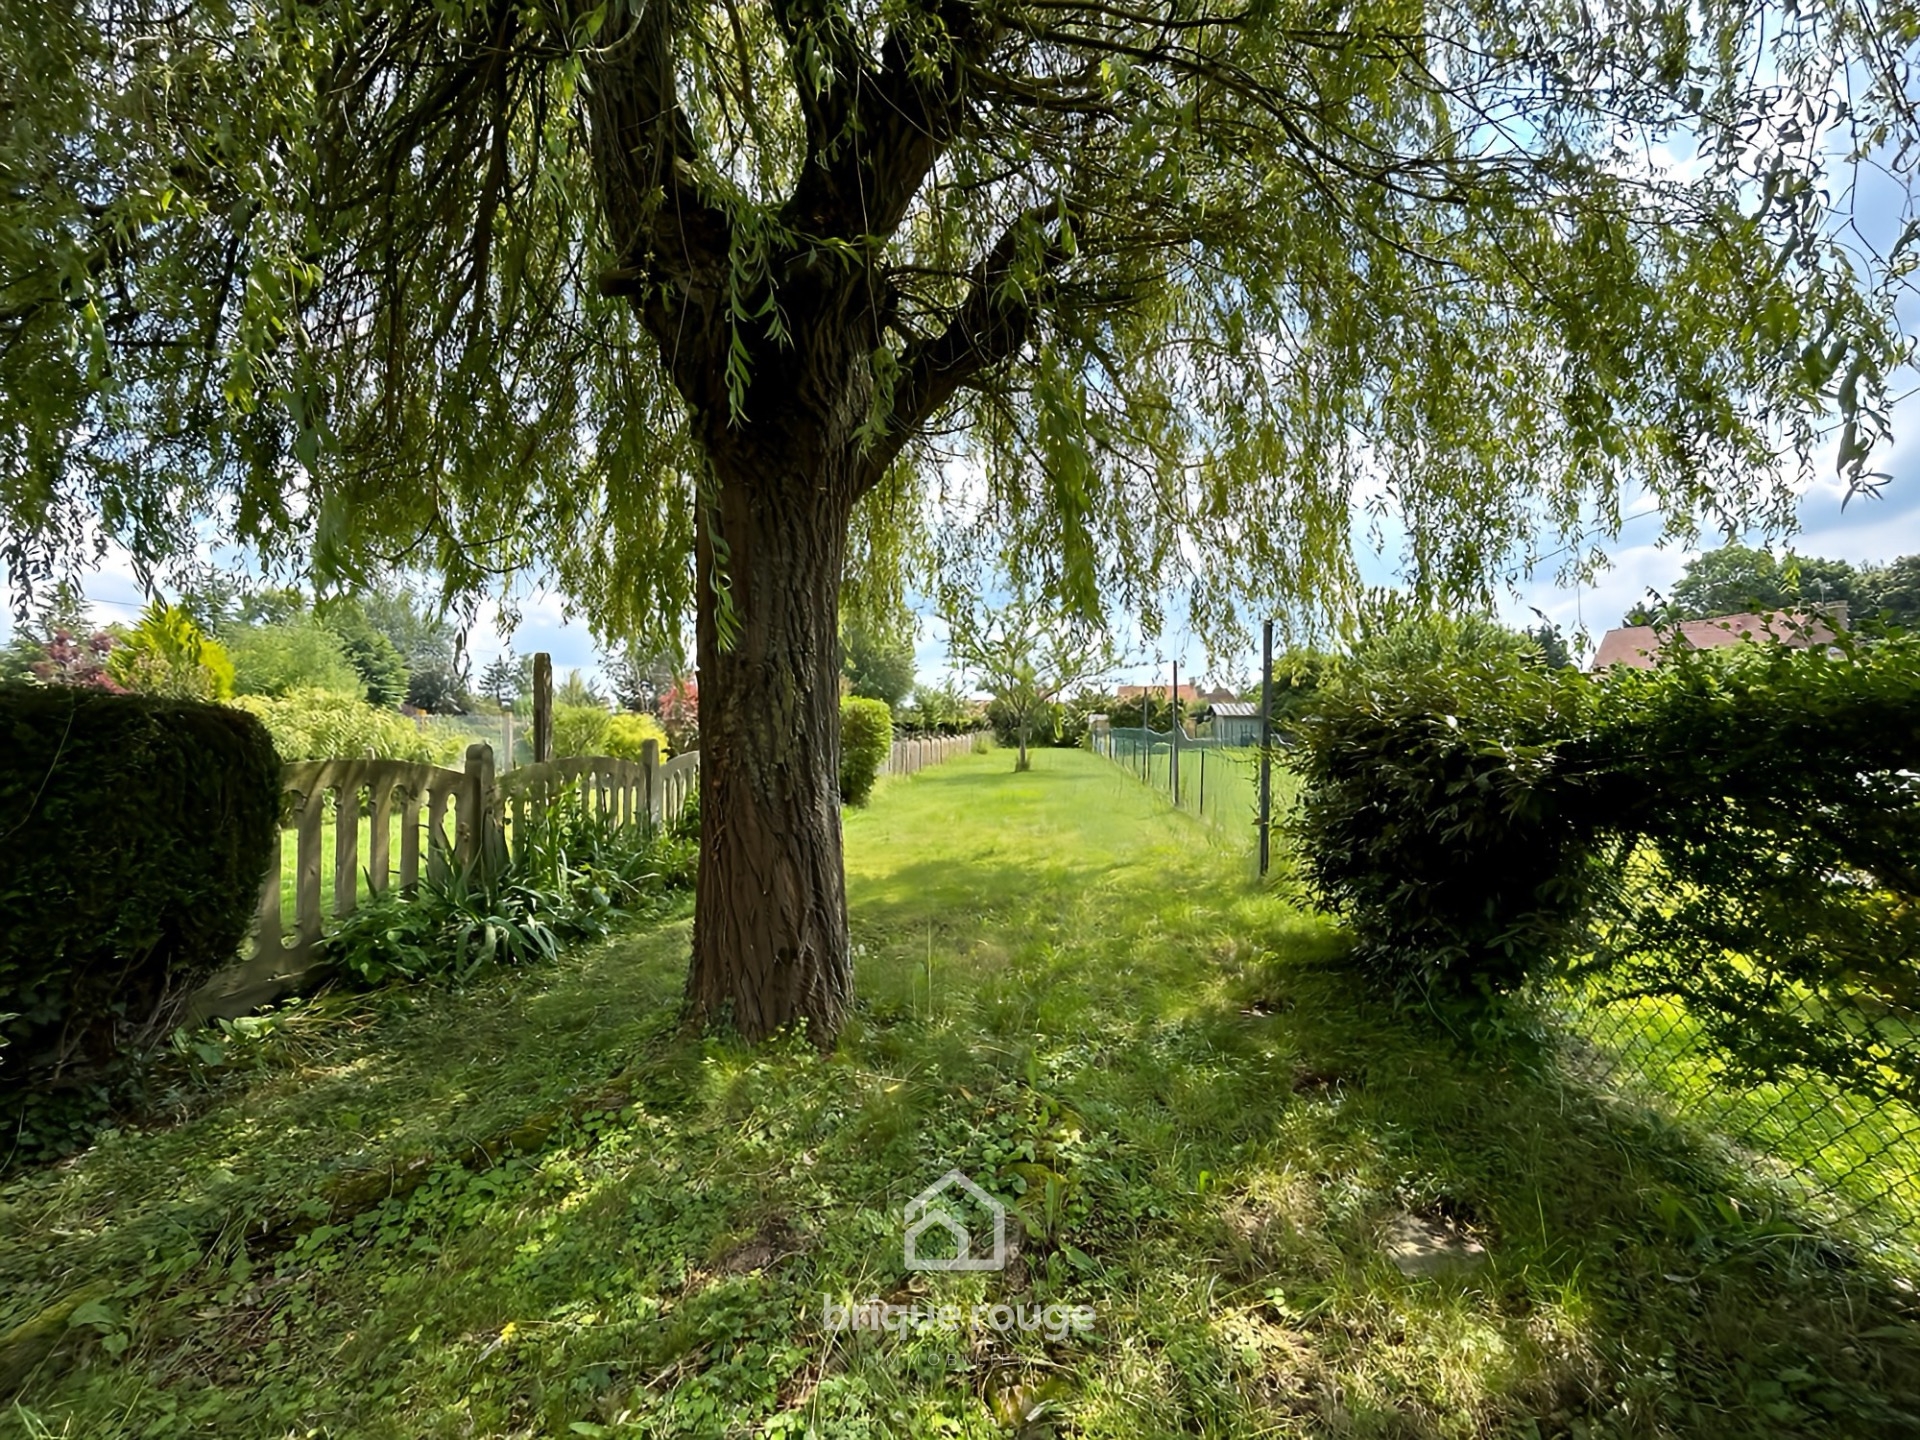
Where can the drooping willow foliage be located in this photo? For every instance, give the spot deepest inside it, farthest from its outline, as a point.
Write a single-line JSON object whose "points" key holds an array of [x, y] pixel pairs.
{"points": [[1122, 293]]}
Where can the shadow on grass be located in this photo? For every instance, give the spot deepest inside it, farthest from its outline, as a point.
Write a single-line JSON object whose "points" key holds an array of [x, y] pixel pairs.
{"points": [[1204, 1131]]}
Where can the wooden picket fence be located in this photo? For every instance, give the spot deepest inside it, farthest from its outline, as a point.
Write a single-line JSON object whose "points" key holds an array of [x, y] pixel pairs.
{"points": [[448, 821], [909, 757]]}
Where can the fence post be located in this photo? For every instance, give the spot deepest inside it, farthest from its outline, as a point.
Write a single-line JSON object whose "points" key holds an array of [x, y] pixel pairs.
{"points": [[1266, 738], [542, 706], [1173, 737], [480, 842], [650, 764]]}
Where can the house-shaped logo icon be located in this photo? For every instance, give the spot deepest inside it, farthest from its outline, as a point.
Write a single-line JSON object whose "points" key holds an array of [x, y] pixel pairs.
{"points": [[922, 1217]]}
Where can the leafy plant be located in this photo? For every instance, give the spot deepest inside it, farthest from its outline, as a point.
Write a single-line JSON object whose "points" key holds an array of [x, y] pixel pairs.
{"points": [[866, 735], [167, 654], [1445, 815], [570, 878], [329, 724]]}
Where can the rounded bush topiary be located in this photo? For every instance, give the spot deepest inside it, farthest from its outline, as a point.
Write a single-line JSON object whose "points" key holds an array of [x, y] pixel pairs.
{"points": [[134, 836], [866, 735]]}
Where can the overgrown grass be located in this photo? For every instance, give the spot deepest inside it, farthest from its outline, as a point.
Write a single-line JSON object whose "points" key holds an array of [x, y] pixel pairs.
{"points": [[1068, 993]]}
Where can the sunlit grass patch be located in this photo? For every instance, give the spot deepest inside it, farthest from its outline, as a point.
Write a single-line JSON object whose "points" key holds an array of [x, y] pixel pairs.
{"points": [[1201, 1129]]}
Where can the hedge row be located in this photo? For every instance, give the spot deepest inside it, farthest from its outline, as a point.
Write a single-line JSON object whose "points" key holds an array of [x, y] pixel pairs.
{"points": [[134, 834], [866, 735], [1739, 830]]}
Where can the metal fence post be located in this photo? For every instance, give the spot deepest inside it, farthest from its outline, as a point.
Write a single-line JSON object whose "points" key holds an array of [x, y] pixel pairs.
{"points": [[1266, 739], [1173, 737]]}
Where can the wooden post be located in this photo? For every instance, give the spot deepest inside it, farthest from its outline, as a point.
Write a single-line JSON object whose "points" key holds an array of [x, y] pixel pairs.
{"points": [[654, 801], [481, 841], [1266, 739], [542, 706], [1173, 736]]}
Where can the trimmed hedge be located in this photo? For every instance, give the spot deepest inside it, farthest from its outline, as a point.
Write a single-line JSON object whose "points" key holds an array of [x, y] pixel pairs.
{"points": [[866, 735], [1737, 831], [1449, 814], [134, 834]]}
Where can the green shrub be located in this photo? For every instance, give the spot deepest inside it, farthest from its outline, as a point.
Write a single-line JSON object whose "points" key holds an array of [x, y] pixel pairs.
{"points": [[329, 725], [1774, 799], [866, 735], [136, 835], [1735, 830], [628, 733], [281, 659], [167, 654], [580, 730], [1448, 816]]}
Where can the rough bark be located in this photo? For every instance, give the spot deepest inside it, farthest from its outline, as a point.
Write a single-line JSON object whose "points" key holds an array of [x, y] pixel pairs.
{"points": [[777, 435], [770, 918]]}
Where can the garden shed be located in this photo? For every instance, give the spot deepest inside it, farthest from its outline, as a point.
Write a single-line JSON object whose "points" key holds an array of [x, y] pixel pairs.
{"points": [[1234, 722]]}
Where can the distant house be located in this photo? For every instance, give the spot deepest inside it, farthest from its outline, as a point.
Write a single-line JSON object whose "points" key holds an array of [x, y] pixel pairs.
{"points": [[1158, 693], [1638, 646], [1234, 722]]}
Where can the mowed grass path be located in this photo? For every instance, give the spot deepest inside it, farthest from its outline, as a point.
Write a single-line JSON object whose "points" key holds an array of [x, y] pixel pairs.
{"points": [[1067, 991]]}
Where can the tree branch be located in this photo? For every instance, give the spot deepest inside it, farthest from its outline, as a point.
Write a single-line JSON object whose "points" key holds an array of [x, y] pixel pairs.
{"points": [[989, 328], [671, 242]]}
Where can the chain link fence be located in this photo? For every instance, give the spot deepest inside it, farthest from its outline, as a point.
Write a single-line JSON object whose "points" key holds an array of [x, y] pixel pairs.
{"points": [[1848, 1163], [1219, 783]]}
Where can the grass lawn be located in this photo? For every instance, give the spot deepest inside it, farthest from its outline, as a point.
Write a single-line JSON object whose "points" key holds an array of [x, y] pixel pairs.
{"points": [[1219, 784], [1068, 992]]}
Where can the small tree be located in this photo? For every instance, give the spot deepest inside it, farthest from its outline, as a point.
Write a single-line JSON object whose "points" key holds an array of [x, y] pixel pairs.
{"points": [[1026, 657], [639, 678], [383, 669], [167, 654], [878, 663], [66, 660], [576, 691], [680, 713], [1554, 653], [500, 681], [277, 659], [436, 689]]}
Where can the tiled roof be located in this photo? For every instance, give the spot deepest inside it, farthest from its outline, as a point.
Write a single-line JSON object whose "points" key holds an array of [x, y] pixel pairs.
{"points": [[1158, 692], [1638, 646]]}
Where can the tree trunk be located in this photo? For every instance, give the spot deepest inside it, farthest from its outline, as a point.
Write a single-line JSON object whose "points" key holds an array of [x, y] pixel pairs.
{"points": [[770, 946], [1021, 763]]}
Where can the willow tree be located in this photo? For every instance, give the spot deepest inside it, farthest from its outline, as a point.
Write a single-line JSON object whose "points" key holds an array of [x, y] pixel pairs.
{"points": [[734, 306]]}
